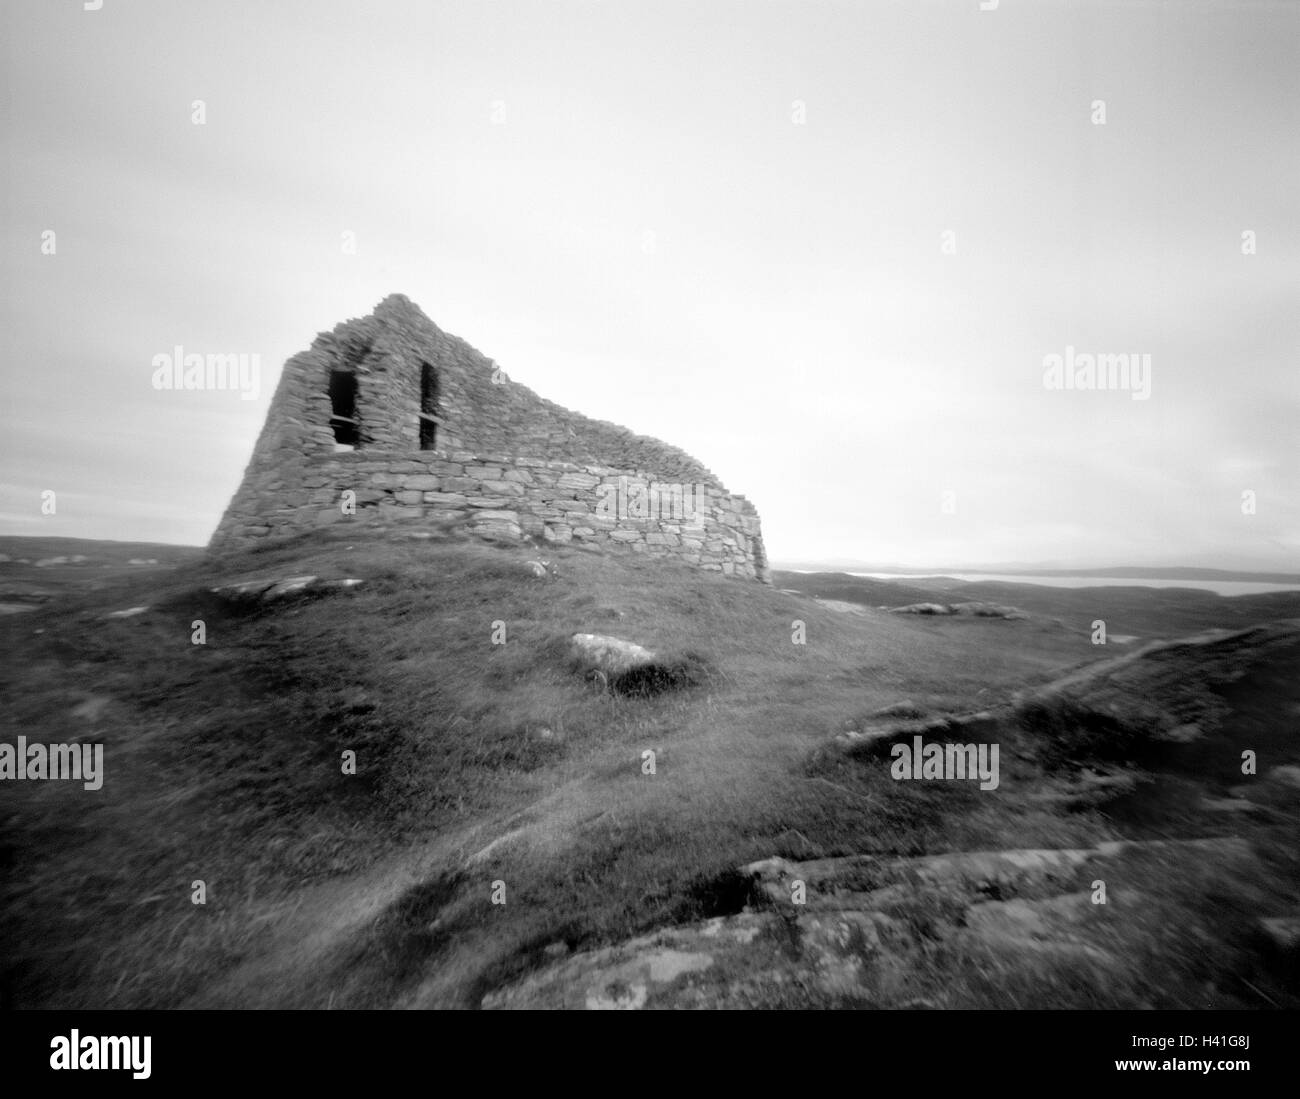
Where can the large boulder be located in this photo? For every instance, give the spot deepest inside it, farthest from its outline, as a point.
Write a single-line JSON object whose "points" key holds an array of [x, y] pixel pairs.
{"points": [[611, 656]]}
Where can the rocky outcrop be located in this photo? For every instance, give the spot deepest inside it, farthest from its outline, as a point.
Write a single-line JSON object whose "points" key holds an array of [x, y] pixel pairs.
{"points": [[1160, 693], [865, 927], [271, 591], [879, 733], [969, 610], [1163, 692]]}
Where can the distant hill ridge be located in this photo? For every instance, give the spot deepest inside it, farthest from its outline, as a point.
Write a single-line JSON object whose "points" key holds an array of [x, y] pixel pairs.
{"points": [[1119, 572]]}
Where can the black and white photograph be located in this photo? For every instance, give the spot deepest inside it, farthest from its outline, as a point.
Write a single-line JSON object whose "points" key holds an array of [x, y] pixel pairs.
{"points": [[765, 506]]}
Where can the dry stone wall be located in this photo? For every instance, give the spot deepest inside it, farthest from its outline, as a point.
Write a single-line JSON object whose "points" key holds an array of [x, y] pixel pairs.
{"points": [[505, 462], [502, 496]]}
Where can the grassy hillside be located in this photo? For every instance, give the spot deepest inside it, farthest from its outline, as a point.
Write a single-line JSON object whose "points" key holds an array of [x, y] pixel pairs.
{"points": [[36, 570], [478, 763]]}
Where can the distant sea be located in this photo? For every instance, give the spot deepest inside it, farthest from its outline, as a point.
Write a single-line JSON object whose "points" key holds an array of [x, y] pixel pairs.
{"points": [[1222, 587]]}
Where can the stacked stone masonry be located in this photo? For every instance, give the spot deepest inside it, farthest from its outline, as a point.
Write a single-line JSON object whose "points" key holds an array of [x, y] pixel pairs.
{"points": [[506, 463]]}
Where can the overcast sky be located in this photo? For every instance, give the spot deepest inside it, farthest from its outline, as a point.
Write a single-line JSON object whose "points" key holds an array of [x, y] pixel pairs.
{"points": [[722, 224]]}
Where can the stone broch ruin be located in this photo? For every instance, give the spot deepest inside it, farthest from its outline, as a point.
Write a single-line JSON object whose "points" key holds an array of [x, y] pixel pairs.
{"points": [[387, 420]]}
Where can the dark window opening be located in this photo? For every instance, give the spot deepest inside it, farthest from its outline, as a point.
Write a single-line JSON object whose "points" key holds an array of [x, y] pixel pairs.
{"points": [[343, 404], [428, 407]]}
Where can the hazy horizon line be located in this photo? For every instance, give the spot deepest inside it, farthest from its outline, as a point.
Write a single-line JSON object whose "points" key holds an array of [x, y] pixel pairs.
{"points": [[840, 564]]}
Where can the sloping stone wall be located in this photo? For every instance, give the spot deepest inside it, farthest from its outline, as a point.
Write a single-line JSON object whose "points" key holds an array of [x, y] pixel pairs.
{"points": [[507, 462], [505, 497]]}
